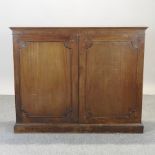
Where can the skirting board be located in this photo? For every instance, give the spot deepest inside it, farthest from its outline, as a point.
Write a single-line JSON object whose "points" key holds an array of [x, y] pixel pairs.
{"points": [[79, 128]]}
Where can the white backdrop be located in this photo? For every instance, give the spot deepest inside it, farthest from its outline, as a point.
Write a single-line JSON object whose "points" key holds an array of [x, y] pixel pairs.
{"points": [[75, 13]]}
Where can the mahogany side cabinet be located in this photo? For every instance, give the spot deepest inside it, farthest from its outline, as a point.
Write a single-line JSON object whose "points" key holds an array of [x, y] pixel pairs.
{"points": [[78, 79]]}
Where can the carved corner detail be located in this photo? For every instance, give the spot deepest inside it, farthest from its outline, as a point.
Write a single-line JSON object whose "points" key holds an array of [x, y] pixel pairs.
{"points": [[87, 42], [69, 42], [68, 112], [23, 44], [135, 42]]}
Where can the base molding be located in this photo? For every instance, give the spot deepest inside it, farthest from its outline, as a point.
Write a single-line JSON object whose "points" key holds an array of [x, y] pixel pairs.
{"points": [[78, 128]]}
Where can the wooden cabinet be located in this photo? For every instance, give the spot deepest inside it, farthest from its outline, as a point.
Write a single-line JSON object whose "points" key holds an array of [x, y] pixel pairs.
{"points": [[78, 79]]}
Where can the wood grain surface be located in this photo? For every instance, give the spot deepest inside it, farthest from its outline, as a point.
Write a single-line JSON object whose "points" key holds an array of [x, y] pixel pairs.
{"points": [[78, 79]]}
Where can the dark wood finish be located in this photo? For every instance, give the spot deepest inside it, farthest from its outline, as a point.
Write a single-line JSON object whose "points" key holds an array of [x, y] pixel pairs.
{"points": [[109, 78], [46, 74], [78, 79], [86, 128]]}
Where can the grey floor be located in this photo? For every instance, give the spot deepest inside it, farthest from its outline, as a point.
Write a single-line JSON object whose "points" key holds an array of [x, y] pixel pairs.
{"points": [[76, 144]]}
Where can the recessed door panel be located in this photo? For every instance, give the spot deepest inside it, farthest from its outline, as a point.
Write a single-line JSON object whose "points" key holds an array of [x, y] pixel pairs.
{"points": [[48, 81], [108, 81]]}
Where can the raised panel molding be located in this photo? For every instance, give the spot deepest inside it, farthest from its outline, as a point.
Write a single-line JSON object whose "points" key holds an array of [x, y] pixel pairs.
{"points": [[87, 44], [68, 112]]}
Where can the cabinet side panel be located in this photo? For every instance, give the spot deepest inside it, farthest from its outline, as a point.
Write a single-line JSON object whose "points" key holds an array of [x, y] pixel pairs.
{"points": [[17, 79]]}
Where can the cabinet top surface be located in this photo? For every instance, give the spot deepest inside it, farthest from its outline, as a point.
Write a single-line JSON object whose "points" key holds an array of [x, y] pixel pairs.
{"points": [[29, 28]]}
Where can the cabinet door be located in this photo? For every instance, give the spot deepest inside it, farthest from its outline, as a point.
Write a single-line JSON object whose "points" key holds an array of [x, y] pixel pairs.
{"points": [[46, 78], [110, 77]]}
